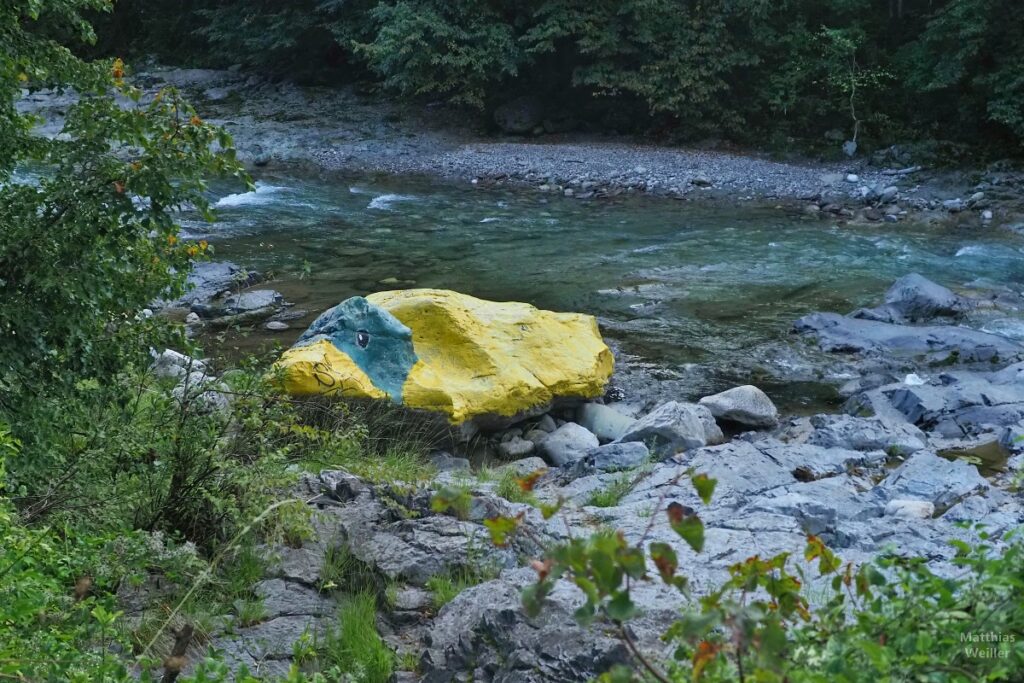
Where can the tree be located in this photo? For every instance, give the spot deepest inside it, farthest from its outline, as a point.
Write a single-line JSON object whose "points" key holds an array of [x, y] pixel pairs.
{"points": [[89, 245]]}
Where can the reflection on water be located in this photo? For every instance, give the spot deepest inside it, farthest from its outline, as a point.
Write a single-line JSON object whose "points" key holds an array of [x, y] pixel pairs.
{"points": [[675, 283]]}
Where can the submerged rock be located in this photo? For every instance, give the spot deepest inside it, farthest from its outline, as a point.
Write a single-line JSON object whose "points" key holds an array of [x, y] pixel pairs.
{"points": [[840, 334], [746, 405], [446, 352], [915, 298]]}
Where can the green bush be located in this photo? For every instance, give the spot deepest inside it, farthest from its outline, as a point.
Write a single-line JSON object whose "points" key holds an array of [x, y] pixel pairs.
{"points": [[889, 620], [753, 70]]}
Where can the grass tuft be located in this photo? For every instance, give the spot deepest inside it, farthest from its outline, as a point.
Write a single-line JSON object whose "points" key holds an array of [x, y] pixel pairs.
{"points": [[355, 647], [613, 493], [508, 488]]}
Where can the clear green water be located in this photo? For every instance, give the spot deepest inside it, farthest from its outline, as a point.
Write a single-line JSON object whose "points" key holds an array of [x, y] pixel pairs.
{"points": [[710, 289]]}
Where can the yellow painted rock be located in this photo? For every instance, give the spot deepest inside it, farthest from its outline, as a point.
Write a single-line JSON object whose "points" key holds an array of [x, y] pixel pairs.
{"points": [[447, 352]]}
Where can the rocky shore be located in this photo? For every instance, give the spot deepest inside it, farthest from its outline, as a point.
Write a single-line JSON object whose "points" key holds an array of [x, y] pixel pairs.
{"points": [[907, 466], [931, 435], [340, 129]]}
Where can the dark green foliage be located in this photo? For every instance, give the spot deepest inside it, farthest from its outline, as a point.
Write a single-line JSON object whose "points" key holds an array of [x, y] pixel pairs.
{"points": [[103, 212], [754, 70], [969, 60]]}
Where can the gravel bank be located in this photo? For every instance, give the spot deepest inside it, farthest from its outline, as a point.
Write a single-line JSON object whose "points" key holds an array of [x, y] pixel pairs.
{"points": [[340, 129]]}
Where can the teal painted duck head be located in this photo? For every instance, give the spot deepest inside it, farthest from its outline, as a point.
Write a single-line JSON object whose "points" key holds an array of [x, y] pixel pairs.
{"points": [[375, 340]]}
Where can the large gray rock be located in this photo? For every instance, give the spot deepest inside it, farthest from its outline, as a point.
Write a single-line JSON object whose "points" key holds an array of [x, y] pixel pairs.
{"points": [[252, 300], [288, 599], [395, 532], [174, 365], [520, 115], [915, 297], [840, 334], [484, 631], [865, 434], [515, 448], [746, 405], [210, 279], [928, 477], [567, 443], [606, 423], [952, 406], [674, 427], [612, 457], [268, 647], [525, 466]]}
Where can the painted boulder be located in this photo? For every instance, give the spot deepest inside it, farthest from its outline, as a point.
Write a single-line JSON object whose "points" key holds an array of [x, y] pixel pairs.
{"points": [[446, 352]]}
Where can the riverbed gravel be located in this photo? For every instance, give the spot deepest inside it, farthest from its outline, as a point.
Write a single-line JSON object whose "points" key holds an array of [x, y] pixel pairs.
{"points": [[345, 130]]}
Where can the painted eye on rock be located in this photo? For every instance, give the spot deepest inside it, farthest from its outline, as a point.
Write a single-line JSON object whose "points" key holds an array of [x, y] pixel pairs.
{"points": [[362, 339]]}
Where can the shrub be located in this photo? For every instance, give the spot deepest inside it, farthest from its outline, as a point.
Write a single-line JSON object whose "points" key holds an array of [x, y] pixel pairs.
{"points": [[892, 619]]}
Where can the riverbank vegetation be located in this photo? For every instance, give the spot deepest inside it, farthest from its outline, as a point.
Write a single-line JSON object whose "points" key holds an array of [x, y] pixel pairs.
{"points": [[113, 476], [760, 72]]}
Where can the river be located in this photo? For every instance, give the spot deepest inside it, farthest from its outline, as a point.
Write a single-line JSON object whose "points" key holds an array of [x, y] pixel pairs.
{"points": [[701, 290]]}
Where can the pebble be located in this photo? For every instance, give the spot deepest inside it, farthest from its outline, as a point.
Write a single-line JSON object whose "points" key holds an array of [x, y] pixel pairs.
{"points": [[192, 319], [986, 215], [852, 178], [276, 326]]}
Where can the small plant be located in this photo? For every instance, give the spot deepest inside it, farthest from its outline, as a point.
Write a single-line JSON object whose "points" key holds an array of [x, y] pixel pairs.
{"points": [[510, 488], [354, 646], [613, 493], [250, 611], [443, 589], [344, 572], [446, 587]]}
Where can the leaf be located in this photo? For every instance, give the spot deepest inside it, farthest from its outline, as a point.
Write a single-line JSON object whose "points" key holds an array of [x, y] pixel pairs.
{"points": [[621, 607], [632, 562], [533, 597], [500, 529], [665, 560], [705, 486], [584, 614], [617, 674], [817, 550], [549, 510], [687, 524], [452, 499], [704, 654], [527, 483]]}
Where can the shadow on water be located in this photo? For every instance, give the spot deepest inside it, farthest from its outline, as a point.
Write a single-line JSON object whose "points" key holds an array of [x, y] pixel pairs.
{"points": [[990, 457]]}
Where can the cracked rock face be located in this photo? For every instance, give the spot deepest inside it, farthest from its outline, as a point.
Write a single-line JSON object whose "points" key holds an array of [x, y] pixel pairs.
{"points": [[865, 484]]}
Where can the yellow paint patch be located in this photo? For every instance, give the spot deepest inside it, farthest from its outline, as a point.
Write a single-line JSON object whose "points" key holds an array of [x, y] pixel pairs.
{"points": [[320, 368], [481, 357]]}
